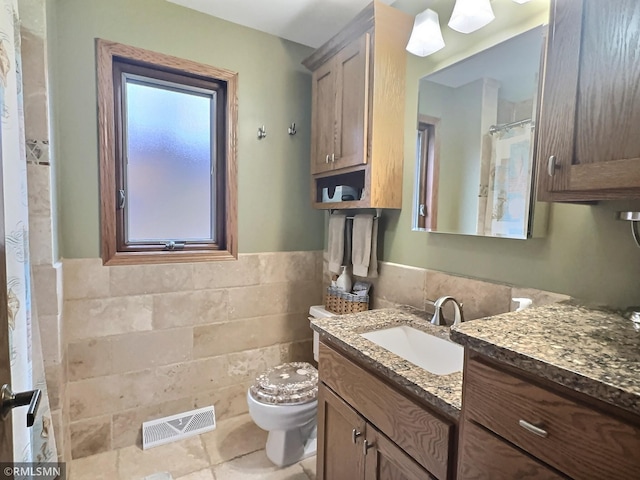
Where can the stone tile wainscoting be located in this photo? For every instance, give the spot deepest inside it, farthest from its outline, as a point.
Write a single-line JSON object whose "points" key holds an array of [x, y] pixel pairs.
{"points": [[405, 285], [47, 271], [155, 340]]}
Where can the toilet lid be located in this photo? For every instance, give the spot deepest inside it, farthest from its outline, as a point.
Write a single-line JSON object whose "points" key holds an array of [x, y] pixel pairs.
{"points": [[287, 384]]}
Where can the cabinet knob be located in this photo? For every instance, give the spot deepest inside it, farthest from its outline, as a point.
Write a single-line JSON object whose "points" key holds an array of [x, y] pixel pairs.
{"points": [[355, 434], [366, 446], [533, 428], [552, 166]]}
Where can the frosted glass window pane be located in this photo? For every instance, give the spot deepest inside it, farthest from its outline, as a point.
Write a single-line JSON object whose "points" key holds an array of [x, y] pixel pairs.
{"points": [[168, 173]]}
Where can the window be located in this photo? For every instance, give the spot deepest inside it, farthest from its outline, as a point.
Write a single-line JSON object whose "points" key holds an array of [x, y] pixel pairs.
{"points": [[167, 158], [425, 216]]}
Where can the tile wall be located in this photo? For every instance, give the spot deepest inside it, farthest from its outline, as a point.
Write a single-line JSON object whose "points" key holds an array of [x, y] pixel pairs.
{"points": [[405, 285], [47, 271], [149, 341]]}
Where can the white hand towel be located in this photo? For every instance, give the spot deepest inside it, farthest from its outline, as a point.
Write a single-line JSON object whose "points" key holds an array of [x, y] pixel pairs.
{"points": [[361, 244], [373, 259], [335, 242]]}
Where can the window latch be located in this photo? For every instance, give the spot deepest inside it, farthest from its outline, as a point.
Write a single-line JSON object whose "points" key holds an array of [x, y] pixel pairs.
{"points": [[171, 245], [121, 199]]}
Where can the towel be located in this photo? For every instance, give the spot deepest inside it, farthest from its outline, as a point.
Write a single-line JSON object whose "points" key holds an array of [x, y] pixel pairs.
{"points": [[364, 250], [335, 242]]}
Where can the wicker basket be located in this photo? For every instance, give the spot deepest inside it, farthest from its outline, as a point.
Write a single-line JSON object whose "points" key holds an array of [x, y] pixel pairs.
{"points": [[340, 302]]}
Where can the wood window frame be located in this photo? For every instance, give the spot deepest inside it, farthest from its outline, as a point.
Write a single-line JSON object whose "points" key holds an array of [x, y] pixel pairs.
{"points": [[113, 249], [427, 182]]}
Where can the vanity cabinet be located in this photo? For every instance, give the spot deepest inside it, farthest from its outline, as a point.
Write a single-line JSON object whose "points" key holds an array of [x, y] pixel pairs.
{"points": [[588, 147], [539, 430], [369, 430], [358, 96]]}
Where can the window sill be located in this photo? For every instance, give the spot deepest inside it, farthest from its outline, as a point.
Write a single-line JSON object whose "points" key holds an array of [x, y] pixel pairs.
{"points": [[149, 258]]}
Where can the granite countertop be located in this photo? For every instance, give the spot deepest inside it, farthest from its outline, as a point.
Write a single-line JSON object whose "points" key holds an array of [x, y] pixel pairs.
{"points": [[444, 392], [592, 351]]}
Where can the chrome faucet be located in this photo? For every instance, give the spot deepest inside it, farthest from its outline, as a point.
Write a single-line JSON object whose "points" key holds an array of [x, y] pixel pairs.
{"points": [[438, 316]]}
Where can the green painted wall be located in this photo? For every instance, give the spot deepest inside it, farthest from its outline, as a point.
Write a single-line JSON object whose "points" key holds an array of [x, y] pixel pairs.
{"points": [[274, 90], [586, 252]]}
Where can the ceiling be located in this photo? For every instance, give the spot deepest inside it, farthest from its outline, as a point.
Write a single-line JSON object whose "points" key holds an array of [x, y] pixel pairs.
{"points": [[310, 22]]}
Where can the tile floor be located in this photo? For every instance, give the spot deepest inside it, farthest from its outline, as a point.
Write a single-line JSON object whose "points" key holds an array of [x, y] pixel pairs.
{"points": [[233, 451]]}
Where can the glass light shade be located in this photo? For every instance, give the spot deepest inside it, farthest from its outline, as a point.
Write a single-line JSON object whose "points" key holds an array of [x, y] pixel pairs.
{"points": [[426, 36], [522, 1], [470, 15]]}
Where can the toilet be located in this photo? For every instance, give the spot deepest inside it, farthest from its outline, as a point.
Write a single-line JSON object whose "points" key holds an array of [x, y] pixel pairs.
{"points": [[283, 401]]}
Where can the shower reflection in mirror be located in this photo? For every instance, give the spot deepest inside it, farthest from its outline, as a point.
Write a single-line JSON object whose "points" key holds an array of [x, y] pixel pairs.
{"points": [[475, 163]]}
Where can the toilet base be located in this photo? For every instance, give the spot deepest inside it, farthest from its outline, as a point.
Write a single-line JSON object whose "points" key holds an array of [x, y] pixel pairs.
{"points": [[286, 447]]}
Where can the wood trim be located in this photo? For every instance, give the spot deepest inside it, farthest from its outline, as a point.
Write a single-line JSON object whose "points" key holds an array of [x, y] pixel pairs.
{"points": [[106, 52], [430, 170]]}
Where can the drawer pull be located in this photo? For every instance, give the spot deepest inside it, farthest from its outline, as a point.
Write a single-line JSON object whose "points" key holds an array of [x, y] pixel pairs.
{"points": [[552, 166], [355, 434], [533, 429]]}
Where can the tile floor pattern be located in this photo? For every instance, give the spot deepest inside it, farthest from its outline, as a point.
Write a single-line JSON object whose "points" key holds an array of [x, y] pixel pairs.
{"points": [[233, 451]]}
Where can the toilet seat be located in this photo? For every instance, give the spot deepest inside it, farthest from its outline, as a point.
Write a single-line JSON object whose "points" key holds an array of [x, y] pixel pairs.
{"points": [[287, 384]]}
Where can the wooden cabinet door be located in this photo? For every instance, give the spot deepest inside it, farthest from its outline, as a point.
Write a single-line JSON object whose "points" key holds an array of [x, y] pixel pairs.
{"points": [[323, 123], [352, 92], [340, 438], [386, 461], [590, 112], [483, 456]]}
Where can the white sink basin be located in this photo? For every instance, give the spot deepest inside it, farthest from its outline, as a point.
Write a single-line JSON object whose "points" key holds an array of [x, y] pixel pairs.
{"points": [[434, 354]]}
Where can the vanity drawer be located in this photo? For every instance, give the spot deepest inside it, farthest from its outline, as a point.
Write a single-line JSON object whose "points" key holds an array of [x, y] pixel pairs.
{"points": [[484, 456], [426, 438], [574, 438]]}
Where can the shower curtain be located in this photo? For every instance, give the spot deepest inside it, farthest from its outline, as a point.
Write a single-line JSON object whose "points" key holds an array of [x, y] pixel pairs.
{"points": [[507, 188], [35, 444]]}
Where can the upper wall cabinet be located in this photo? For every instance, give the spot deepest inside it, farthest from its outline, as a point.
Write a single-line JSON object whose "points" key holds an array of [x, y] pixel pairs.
{"points": [[589, 147], [358, 112]]}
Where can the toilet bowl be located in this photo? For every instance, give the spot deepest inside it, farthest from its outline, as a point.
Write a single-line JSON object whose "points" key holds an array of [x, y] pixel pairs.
{"points": [[283, 402]]}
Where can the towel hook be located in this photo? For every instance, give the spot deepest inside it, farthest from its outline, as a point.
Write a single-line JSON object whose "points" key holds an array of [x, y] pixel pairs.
{"points": [[292, 129], [262, 132]]}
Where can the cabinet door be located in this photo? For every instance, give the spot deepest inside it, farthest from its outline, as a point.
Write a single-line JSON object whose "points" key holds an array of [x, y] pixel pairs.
{"points": [[386, 461], [324, 123], [590, 111], [340, 438], [483, 456], [352, 91]]}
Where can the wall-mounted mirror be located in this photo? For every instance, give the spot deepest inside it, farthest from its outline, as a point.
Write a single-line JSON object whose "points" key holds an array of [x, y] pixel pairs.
{"points": [[474, 169]]}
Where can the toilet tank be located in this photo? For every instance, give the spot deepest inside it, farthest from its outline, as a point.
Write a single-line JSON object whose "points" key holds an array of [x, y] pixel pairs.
{"points": [[318, 311]]}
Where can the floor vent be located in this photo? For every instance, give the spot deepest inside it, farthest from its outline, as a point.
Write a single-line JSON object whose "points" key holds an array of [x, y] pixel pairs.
{"points": [[176, 427]]}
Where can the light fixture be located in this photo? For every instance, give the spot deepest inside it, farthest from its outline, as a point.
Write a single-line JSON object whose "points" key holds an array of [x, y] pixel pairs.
{"points": [[521, 1], [470, 15], [426, 36]]}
